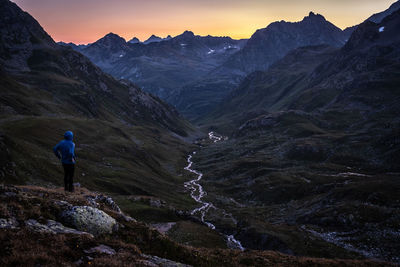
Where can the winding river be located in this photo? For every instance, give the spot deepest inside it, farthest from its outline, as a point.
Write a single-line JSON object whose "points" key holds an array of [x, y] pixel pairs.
{"points": [[197, 193]]}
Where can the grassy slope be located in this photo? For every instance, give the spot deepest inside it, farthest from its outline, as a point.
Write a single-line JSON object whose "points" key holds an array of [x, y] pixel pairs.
{"points": [[111, 156]]}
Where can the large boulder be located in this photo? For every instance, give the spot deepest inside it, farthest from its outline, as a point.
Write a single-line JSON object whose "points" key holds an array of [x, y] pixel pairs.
{"points": [[89, 219]]}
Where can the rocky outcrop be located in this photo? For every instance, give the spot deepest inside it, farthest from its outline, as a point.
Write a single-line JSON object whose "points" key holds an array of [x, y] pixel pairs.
{"points": [[89, 219], [94, 201], [52, 227]]}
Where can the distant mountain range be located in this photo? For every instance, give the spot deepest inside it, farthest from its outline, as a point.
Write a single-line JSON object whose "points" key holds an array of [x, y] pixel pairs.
{"points": [[265, 47], [198, 76], [160, 66], [194, 73]]}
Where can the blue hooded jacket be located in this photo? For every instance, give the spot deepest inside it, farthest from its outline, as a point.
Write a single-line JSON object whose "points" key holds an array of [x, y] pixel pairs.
{"points": [[65, 150]]}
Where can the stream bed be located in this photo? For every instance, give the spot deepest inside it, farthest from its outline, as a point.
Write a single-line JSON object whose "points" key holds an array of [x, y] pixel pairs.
{"points": [[197, 193]]}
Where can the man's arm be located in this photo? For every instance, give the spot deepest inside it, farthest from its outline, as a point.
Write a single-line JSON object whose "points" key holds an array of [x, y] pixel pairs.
{"points": [[56, 152], [73, 153]]}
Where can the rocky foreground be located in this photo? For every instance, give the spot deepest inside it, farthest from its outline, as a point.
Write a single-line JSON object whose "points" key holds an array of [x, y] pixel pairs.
{"points": [[46, 227]]}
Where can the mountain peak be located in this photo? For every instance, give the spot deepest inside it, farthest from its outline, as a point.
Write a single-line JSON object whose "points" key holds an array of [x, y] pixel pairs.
{"points": [[134, 40], [110, 40], [188, 33], [313, 16], [113, 35], [113, 38], [152, 39]]}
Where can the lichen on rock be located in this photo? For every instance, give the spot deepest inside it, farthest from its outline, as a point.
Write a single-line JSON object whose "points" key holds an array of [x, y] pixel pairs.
{"points": [[89, 219]]}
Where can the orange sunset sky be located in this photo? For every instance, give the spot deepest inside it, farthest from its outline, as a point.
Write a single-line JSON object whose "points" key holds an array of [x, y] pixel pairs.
{"points": [[85, 21]]}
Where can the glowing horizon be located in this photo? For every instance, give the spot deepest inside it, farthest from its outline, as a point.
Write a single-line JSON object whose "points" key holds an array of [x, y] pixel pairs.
{"points": [[86, 21]]}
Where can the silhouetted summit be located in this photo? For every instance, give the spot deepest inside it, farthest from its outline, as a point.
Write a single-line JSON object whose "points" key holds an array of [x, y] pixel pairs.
{"points": [[111, 40]]}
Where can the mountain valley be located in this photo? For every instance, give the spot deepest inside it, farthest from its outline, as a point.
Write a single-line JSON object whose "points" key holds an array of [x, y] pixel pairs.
{"points": [[279, 150]]}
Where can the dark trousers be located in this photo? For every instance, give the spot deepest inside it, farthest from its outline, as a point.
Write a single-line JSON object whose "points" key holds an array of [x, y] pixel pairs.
{"points": [[69, 170]]}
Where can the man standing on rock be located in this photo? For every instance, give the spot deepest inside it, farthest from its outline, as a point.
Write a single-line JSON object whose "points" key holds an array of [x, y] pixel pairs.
{"points": [[65, 150]]}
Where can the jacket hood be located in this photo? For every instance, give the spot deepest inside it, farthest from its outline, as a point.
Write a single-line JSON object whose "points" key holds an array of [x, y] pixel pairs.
{"points": [[68, 135]]}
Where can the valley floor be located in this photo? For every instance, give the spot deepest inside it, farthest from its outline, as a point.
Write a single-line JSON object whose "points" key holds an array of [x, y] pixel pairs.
{"points": [[312, 209]]}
